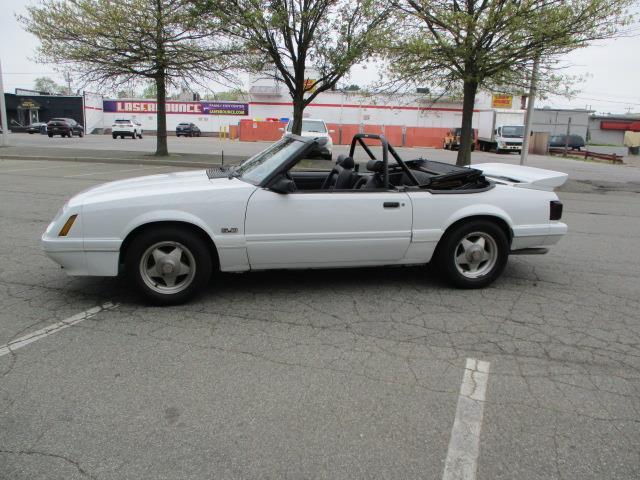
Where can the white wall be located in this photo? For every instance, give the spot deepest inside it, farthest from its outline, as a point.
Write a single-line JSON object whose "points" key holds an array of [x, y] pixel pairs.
{"points": [[93, 114], [353, 108]]}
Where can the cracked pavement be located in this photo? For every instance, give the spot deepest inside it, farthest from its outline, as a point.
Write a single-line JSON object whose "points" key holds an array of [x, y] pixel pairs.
{"points": [[321, 374]]}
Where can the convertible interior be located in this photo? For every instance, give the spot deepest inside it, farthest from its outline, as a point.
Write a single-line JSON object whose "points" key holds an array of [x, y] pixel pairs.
{"points": [[348, 174]]}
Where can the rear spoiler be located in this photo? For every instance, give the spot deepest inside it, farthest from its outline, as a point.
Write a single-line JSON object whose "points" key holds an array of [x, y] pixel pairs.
{"points": [[524, 177]]}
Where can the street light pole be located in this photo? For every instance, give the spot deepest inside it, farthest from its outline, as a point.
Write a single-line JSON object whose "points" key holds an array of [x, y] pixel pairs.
{"points": [[530, 103], [3, 114]]}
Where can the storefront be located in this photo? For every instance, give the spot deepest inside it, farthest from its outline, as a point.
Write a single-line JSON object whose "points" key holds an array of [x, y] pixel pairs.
{"points": [[23, 110]]}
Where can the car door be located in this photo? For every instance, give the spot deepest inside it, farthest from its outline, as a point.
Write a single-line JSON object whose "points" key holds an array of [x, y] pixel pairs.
{"points": [[327, 228]]}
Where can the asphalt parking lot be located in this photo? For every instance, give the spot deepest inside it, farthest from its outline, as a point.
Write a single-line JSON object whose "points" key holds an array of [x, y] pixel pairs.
{"points": [[354, 374]]}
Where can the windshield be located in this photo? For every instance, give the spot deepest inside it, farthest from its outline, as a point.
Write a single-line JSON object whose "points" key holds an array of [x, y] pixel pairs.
{"points": [[513, 131], [315, 126], [260, 166]]}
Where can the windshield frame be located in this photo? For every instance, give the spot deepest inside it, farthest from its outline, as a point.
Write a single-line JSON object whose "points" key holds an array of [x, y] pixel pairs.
{"points": [[303, 145]]}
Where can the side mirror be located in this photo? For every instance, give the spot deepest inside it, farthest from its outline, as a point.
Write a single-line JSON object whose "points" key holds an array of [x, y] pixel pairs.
{"points": [[283, 185]]}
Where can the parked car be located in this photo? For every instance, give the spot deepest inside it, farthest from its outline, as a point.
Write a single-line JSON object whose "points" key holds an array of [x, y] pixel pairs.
{"points": [[314, 128], [576, 142], [38, 127], [187, 129], [451, 140], [65, 127], [169, 232], [125, 127]]}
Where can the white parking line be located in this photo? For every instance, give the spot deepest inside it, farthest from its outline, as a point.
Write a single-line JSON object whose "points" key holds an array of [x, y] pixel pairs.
{"points": [[53, 328], [464, 444]]}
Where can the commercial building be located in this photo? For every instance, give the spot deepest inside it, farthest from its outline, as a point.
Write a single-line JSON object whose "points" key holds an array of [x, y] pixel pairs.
{"points": [[26, 107], [406, 119], [560, 121], [610, 129]]}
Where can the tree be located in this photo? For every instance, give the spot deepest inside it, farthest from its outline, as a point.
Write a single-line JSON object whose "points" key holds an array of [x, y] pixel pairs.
{"points": [[474, 44], [288, 40], [150, 91], [48, 85], [352, 88], [127, 42]]}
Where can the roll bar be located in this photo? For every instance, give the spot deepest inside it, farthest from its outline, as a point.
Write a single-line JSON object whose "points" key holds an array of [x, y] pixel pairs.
{"points": [[386, 149]]}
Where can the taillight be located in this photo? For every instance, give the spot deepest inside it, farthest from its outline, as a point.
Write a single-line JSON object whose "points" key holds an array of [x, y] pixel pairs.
{"points": [[555, 210]]}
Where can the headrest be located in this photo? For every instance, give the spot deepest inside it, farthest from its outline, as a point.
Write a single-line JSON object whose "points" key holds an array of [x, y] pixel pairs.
{"points": [[374, 166], [345, 162]]}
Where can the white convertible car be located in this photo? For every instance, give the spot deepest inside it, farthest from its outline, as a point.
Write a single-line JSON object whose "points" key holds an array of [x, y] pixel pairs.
{"points": [[170, 232]]}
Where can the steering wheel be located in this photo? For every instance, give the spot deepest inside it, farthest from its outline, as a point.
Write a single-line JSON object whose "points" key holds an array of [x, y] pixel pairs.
{"points": [[327, 181]]}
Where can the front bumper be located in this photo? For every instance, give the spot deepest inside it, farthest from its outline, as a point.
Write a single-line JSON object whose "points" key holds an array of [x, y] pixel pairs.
{"points": [[75, 255]]}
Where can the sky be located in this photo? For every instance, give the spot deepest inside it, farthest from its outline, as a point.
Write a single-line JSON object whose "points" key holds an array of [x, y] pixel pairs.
{"points": [[611, 67]]}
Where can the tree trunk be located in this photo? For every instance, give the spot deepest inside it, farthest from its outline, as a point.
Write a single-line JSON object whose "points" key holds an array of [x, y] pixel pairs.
{"points": [[161, 129], [298, 108], [466, 135]]}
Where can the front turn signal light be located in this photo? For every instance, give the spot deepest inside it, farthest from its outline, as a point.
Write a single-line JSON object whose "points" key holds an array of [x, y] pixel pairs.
{"points": [[67, 226]]}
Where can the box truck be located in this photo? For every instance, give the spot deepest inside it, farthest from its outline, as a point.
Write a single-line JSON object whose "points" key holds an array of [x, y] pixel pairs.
{"points": [[500, 130]]}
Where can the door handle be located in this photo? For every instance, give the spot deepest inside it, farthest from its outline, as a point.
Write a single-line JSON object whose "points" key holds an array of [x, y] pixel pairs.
{"points": [[391, 204]]}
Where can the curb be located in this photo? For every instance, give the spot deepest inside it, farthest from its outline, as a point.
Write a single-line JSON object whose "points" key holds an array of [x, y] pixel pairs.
{"points": [[123, 161]]}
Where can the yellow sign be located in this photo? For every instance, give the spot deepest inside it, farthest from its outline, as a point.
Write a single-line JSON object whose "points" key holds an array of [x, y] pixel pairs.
{"points": [[309, 85], [29, 105], [500, 100]]}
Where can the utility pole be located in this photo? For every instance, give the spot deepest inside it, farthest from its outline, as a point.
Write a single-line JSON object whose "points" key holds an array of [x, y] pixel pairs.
{"points": [[530, 103], [566, 139], [4, 141], [67, 78]]}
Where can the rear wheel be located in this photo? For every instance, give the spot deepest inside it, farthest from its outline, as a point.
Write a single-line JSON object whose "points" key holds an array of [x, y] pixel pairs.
{"points": [[114, 136], [135, 134], [50, 135], [473, 254], [168, 265]]}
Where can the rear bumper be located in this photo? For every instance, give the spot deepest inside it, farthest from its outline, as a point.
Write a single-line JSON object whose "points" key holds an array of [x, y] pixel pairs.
{"points": [[533, 236]]}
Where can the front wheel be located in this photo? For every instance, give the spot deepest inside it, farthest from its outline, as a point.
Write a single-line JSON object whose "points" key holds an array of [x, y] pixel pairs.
{"points": [[473, 254], [168, 265]]}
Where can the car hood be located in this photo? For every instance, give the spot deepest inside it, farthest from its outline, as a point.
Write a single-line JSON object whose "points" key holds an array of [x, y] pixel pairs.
{"points": [[166, 184]]}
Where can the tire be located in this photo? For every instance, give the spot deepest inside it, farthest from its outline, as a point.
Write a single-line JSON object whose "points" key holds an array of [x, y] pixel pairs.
{"points": [[121, 137], [178, 136], [81, 134], [195, 254], [134, 135], [457, 260], [50, 135], [70, 134], [114, 136], [140, 136]]}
